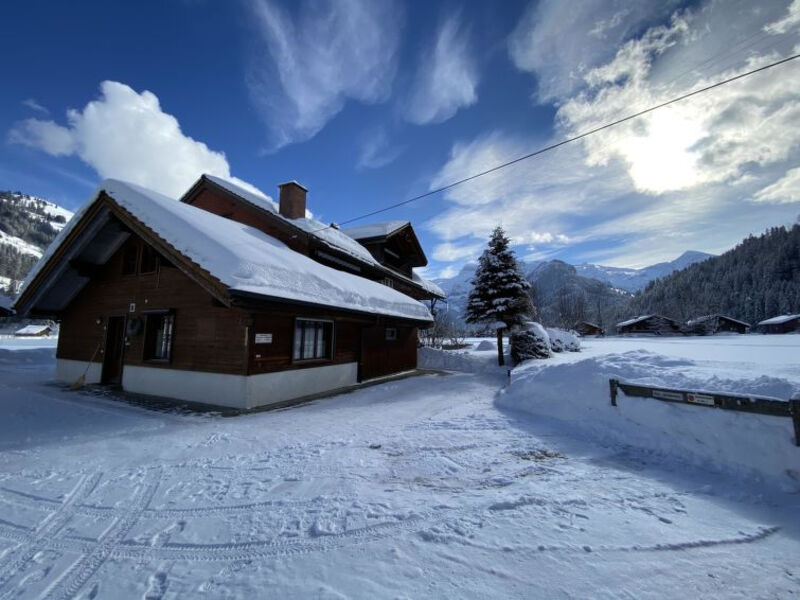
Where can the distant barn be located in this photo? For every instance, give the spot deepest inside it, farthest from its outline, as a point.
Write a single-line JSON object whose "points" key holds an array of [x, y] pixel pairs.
{"points": [[34, 331], [649, 325], [781, 324], [585, 328], [711, 324]]}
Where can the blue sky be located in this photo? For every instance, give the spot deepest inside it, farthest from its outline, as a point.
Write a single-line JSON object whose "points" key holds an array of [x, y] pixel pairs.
{"points": [[368, 103]]}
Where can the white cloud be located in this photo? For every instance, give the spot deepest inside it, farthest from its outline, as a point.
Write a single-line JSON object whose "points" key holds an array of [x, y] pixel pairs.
{"points": [[309, 66], [785, 190], [788, 22], [448, 252], [681, 178], [35, 106], [559, 41], [447, 77], [126, 135], [376, 150]]}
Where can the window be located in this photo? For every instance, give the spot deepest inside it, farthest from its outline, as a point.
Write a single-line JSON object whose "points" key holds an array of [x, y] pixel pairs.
{"points": [[391, 333], [312, 340], [388, 282], [129, 256], [158, 336], [149, 260]]}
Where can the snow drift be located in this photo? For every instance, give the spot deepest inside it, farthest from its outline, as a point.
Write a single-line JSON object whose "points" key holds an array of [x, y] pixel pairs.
{"points": [[578, 393]]}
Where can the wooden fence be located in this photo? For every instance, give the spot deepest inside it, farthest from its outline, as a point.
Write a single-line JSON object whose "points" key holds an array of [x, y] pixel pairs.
{"points": [[749, 404]]}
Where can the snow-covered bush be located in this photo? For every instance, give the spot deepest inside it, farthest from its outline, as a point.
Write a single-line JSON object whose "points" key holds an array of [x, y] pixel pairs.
{"points": [[563, 341], [485, 345], [531, 341]]}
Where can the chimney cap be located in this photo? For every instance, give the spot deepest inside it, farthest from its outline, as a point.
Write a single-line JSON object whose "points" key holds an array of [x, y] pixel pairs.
{"points": [[293, 182]]}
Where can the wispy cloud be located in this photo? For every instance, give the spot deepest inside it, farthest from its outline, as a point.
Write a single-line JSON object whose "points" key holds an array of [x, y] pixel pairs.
{"points": [[35, 106], [377, 150], [125, 134], [447, 76], [682, 178], [309, 65]]}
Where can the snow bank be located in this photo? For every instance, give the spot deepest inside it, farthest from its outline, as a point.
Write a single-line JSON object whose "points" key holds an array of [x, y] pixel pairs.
{"points": [[485, 345], [578, 393], [563, 341]]}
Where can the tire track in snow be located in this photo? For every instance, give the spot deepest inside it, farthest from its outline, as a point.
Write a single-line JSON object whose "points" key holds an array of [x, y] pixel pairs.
{"points": [[73, 579], [48, 529]]}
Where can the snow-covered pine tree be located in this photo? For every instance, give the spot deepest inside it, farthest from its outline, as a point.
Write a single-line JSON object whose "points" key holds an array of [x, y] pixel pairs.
{"points": [[499, 291]]}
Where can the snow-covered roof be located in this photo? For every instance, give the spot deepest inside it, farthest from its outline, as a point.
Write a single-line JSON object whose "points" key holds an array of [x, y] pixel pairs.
{"points": [[705, 318], [372, 230], [33, 330], [247, 260], [633, 320], [253, 195], [642, 318], [779, 320], [327, 234], [428, 285]]}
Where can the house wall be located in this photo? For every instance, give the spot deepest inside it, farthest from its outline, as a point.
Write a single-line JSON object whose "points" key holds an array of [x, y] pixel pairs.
{"points": [[208, 336], [214, 356], [383, 357]]}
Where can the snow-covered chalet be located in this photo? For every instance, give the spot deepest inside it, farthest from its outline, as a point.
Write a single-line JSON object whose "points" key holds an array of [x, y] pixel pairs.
{"points": [[227, 298]]}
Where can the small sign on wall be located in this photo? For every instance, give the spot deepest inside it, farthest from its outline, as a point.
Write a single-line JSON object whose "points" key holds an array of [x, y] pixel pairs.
{"points": [[263, 338]]}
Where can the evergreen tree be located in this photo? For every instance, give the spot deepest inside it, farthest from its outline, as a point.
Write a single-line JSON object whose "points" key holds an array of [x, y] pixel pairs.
{"points": [[499, 290]]}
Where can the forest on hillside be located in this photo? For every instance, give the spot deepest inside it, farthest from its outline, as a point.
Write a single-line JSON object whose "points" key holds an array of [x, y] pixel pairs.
{"points": [[756, 280]]}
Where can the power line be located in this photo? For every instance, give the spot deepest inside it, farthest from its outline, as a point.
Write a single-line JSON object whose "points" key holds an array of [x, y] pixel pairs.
{"points": [[568, 140]]}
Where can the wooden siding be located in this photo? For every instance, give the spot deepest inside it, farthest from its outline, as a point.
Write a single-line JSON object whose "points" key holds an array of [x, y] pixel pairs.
{"points": [[383, 357], [208, 336]]}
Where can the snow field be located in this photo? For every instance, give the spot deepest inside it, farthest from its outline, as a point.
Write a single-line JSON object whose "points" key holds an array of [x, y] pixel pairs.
{"points": [[414, 488]]}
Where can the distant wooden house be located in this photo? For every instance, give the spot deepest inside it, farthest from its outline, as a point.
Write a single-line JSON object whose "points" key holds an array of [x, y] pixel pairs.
{"points": [[781, 324], [34, 331], [585, 328], [649, 325], [711, 324]]}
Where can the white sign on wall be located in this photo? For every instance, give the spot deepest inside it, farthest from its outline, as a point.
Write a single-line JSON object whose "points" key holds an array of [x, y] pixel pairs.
{"points": [[263, 338]]}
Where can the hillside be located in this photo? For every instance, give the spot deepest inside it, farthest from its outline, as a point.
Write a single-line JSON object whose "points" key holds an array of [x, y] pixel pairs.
{"points": [[758, 279], [27, 226]]}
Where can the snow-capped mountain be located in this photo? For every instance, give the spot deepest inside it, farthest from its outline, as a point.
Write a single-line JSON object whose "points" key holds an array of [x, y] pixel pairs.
{"points": [[27, 226], [633, 280]]}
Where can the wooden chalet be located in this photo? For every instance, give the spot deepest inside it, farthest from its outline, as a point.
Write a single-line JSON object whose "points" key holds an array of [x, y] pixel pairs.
{"points": [[649, 325], [711, 324], [224, 298], [585, 328], [780, 324]]}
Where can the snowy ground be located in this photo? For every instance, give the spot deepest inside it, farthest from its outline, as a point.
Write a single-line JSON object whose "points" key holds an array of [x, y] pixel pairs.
{"points": [[417, 488]]}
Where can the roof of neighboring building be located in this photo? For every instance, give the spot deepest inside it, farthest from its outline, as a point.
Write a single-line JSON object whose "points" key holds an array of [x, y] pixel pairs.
{"points": [[33, 330], [5, 302], [642, 318], [327, 234], [706, 318], [243, 258], [779, 319], [373, 230]]}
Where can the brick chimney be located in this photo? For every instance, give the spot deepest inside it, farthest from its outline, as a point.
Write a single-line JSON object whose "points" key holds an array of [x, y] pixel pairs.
{"points": [[292, 200]]}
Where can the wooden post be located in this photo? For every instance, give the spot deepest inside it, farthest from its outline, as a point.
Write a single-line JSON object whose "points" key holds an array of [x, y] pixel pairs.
{"points": [[500, 359], [794, 407], [612, 384]]}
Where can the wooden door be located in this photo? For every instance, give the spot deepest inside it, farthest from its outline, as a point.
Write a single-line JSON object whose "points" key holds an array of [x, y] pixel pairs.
{"points": [[115, 346]]}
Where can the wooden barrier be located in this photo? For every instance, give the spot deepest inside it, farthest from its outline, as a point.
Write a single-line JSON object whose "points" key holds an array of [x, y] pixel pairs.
{"points": [[751, 404]]}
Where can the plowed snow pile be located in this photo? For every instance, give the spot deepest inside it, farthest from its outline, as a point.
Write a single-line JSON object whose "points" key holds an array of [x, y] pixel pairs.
{"points": [[578, 393]]}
